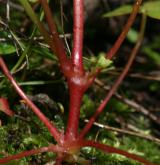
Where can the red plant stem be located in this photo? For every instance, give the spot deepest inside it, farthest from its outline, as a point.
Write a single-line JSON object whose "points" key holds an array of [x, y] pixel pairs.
{"points": [[75, 82], [51, 148], [78, 12], [57, 45], [77, 86], [119, 80], [74, 111], [126, 28], [109, 149], [52, 129]]}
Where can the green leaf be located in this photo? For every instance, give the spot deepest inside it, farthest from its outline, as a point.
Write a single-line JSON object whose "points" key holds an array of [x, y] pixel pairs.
{"points": [[125, 9], [132, 35], [151, 9], [102, 61], [154, 55], [6, 49], [33, 1]]}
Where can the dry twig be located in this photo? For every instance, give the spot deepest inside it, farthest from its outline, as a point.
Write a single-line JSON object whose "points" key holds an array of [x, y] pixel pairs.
{"points": [[151, 138]]}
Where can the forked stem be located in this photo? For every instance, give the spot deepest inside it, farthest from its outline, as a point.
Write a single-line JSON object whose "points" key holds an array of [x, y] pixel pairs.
{"points": [[78, 82]]}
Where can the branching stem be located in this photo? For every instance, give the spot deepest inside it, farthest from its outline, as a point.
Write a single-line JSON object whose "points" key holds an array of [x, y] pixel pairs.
{"points": [[78, 82]]}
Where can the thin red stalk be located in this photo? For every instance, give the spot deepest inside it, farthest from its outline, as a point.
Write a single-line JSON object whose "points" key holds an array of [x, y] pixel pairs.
{"points": [[51, 148], [109, 149], [126, 28], [52, 129], [78, 12], [119, 80], [58, 45]]}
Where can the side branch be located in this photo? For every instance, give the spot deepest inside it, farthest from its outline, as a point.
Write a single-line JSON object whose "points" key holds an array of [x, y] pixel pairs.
{"points": [[54, 42], [126, 28], [58, 45], [78, 12], [119, 80], [51, 148], [109, 149], [52, 129]]}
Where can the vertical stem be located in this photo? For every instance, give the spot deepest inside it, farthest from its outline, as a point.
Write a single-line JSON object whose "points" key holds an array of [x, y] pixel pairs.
{"points": [[119, 80], [78, 13], [75, 83], [126, 28], [52, 129], [74, 111]]}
